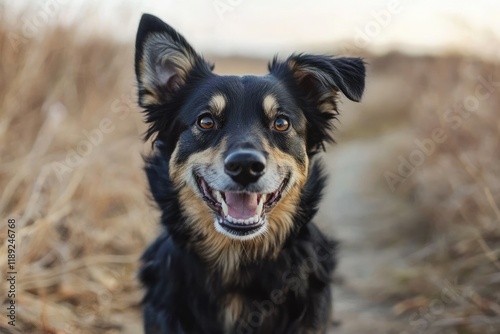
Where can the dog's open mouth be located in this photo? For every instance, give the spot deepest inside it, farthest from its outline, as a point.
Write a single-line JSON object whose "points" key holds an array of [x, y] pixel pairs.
{"points": [[240, 213]]}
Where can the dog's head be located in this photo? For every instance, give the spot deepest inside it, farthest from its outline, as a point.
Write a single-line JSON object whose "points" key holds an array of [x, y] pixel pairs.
{"points": [[238, 147]]}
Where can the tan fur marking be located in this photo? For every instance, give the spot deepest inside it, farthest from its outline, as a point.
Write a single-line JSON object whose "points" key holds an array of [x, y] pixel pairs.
{"points": [[149, 98], [182, 60], [298, 71], [217, 104], [292, 64], [281, 216], [232, 311], [326, 102], [270, 106]]}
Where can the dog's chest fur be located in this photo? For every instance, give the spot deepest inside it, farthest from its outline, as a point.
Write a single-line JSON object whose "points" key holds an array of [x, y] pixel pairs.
{"points": [[232, 311]]}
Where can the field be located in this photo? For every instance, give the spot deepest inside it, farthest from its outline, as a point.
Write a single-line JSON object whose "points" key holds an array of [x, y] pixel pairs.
{"points": [[414, 193]]}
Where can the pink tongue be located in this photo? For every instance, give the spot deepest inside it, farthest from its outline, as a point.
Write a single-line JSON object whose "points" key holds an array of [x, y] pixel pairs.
{"points": [[241, 205]]}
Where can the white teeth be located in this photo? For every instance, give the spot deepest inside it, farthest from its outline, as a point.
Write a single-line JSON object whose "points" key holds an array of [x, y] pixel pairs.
{"points": [[220, 199], [248, 221], [261, 205], [225, 209]]}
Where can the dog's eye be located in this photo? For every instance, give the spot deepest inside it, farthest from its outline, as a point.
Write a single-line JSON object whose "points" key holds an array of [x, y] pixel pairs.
{"points": [[281, 123], [206, 121]]}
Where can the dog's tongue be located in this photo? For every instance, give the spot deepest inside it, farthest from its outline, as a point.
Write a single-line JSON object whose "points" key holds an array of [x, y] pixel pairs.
{"points": [[241, 205]]}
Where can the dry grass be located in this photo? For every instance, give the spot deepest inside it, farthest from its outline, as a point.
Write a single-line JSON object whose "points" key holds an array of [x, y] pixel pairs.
{"points": [[455, 283], [80, 231]]}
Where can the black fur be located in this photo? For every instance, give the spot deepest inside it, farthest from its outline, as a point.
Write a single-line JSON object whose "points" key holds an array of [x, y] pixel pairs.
{"points": [[287, 294]]}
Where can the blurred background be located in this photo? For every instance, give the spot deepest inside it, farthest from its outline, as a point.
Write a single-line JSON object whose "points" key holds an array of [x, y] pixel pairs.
{"points": [[414, 188]]}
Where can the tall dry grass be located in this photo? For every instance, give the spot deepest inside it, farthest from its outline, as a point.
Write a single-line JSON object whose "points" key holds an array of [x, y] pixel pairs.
{"points": [[454, 285], [81, 223]]}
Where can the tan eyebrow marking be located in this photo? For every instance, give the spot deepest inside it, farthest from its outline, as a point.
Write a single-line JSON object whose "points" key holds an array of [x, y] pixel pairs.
{"points": [[217, 104], [270, 106]]}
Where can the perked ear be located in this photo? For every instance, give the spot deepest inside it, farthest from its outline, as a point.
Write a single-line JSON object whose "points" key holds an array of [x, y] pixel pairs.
{"points": [[318, 80], [163, 61]]}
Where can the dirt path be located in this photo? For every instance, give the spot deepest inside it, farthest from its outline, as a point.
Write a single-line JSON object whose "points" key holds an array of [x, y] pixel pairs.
{"points": [[360, 211]]}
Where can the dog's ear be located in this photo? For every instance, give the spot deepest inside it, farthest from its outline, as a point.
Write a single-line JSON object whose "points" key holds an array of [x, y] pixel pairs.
{"points": [[318, 80], [163, 61]]}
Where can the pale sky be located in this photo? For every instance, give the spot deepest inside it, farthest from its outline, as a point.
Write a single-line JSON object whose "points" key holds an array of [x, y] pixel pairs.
{"points": [[263, 28]]}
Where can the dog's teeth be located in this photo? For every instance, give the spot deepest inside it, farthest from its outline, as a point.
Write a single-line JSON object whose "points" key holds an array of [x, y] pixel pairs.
{"points": [[261, 205], [248, 221], [225, 209]]}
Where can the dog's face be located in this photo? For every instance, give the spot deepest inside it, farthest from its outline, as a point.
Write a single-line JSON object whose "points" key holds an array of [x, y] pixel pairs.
{"points": [[239, 148], [241, 151]]}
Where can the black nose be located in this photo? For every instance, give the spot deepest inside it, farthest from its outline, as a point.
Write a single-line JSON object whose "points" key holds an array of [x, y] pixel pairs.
{"points": [[245, 166]]}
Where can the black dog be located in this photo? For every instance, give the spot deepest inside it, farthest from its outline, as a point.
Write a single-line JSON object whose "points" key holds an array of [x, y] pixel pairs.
{"points": [[235, 177]]}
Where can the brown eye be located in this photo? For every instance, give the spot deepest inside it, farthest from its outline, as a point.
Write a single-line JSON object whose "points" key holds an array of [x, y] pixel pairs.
{"points": [[206, 121], [281, 123]]}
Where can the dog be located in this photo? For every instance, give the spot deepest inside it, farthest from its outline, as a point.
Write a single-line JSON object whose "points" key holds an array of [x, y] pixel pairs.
{"points": [[236, 176]]}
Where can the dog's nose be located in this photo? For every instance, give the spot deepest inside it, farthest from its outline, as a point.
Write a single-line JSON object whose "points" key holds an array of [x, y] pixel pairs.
{"points": [[245, 166]]}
